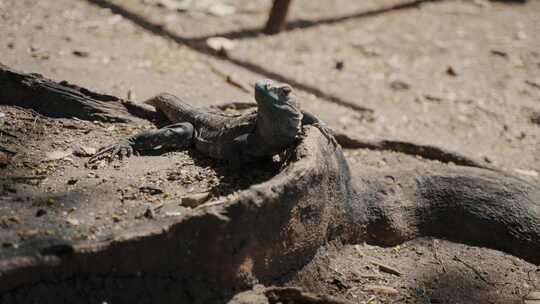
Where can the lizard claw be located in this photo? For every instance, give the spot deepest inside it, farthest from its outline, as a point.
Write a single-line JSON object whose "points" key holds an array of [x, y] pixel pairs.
{"points": [[121, 149], [327, 132]]}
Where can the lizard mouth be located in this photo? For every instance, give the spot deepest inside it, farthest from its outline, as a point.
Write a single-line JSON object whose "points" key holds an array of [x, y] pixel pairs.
{"points": [[262, 86], [263, 92]]}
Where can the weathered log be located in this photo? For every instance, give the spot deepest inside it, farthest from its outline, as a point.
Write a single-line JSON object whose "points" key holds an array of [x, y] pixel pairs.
{"points": [[58, 100]]}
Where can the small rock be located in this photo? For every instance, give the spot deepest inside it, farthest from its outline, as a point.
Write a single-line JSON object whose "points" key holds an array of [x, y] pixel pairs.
{"points": [[73, 221], [4, 159], [150, 190], [27, 233], [195, 200], [149, 213], [221, 9], [41, 212], [9, 188], [9, 245], [451, 72], [358, 250], [72, 181], [2, 115], [116, 218], [340, 64], [221, 45], [520, 35], [535, 118], [58, 154], [82, 54], [380, 289], [7, 222], [399, 85], [83, 151], [249, 297], [481, 3]]}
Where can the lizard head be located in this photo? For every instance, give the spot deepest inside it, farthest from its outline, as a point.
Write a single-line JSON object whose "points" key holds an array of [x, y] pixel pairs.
{"points": [[279, 119], [270, 93]]}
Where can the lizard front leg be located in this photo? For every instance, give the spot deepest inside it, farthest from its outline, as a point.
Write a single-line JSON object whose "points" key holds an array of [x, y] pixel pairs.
{"points": [[312, 120], [175, 136]]}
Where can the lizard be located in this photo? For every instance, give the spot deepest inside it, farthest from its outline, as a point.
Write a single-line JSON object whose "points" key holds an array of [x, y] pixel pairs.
{"points": [[274, 126]]}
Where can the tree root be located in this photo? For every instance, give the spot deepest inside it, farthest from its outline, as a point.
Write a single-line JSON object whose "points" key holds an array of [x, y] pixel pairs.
{"points": [[425, 151], [59, 100], [467, 205]]}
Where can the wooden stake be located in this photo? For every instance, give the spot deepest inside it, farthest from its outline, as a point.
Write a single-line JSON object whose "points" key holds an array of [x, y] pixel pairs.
{"points": [[278, 17]]}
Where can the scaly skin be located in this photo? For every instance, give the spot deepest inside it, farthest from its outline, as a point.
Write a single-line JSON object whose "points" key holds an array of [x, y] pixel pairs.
{"points": [[276, 125]]}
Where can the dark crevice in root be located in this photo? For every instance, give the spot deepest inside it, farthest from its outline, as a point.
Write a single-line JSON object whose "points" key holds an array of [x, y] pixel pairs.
{"points": [[409, 148]]}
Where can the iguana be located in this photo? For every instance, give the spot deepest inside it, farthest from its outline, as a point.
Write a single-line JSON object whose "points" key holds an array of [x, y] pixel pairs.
{"points": [[276, 125]]}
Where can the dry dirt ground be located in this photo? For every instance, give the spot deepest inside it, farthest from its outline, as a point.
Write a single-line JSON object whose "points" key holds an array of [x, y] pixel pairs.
{"points": [[463, 75]]}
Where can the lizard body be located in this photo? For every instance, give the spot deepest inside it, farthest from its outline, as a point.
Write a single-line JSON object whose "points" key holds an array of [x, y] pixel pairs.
{"points": [[276, 125]]}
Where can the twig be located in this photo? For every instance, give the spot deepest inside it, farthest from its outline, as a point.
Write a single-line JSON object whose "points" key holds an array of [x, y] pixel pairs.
{"points": [[6, 133], [387, 269], [367, 275], [456, 258], [532, 84], [371, 299], [7, 151]]}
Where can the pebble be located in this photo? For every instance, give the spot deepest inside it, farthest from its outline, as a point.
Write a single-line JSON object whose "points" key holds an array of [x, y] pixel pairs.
{"points": [[221, 44], [221, 9], [58, 154], [150, 190], [195, 200], [149, 213], [41, 212]]}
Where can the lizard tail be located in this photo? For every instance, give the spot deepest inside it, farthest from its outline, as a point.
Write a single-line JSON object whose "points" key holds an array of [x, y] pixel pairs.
{"points": [[173, 108], [154, 101]]}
